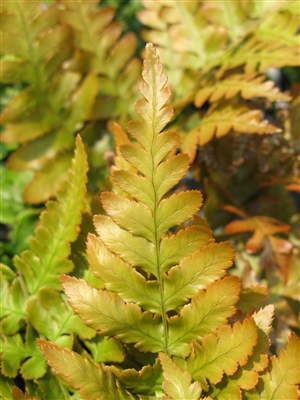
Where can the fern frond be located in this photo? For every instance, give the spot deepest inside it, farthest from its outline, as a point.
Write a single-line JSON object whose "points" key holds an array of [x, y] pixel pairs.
{"points": [[218, 122], [281, 378], [50, 248], [44, 116], [33, 39], [12, 307], [92, 380], [165, 295], [178, 383], [247, 86], [103, 51], [134, 254], [277, 34], [222, 352]]}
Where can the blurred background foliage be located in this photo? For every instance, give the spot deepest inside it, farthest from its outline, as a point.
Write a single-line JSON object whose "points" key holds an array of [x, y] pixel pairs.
{"points": [[70, 67]]}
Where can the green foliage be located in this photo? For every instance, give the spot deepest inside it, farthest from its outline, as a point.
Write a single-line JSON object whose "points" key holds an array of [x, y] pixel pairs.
{"points": [[162, 293], [75, 70], [31, 305], [154, 281]]}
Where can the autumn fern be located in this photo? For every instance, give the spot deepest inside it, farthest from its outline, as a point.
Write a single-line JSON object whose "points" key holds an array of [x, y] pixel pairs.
{"points": [[167, 298]]}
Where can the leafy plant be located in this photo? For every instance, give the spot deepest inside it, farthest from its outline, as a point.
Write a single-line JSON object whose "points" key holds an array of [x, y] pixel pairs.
{"points": [[31, 304], [72, 67], [238, 127], [215, 52], [165, 284], [75, 70]]}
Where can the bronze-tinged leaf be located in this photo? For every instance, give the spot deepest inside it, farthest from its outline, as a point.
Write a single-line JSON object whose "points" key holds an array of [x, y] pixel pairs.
{"points": [[269, 226], [196, 272], [135, 250], [222, 352], [280, 381], [130, 215], [178, 383], [121, 278], [247, 86], [17, 394], [25, 100], [207, 311], [92, 380], [13, 71], [48, 180], [262, 227], [121, 54], [176, 247], [169, 173], [138, 157], [39, 123], [97, 21], [135, 185], [251, 297], [220, 121], [177, 209], [109, 314], [153, 112]]}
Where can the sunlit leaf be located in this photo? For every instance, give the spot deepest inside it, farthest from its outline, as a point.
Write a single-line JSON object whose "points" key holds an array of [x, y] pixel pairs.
{"points": [[222, 352], [207, 311], [91, 379], [111, 316], [121, 278], [178, 384], [196, 272]]}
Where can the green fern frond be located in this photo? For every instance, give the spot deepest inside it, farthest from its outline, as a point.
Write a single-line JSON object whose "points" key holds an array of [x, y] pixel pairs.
{"points": [[30, 298], [50, 248], [12, 307]]}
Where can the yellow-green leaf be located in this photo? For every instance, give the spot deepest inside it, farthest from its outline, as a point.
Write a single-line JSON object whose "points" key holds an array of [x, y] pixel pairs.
{"points": [[177, 209], [133, 249], [178, 383], [176, 247], [281, 380], [130, 215], [92, 380], [121, 278], [222, 352], [110, 315], [207, 311], [196, 272], [48, 256]]}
